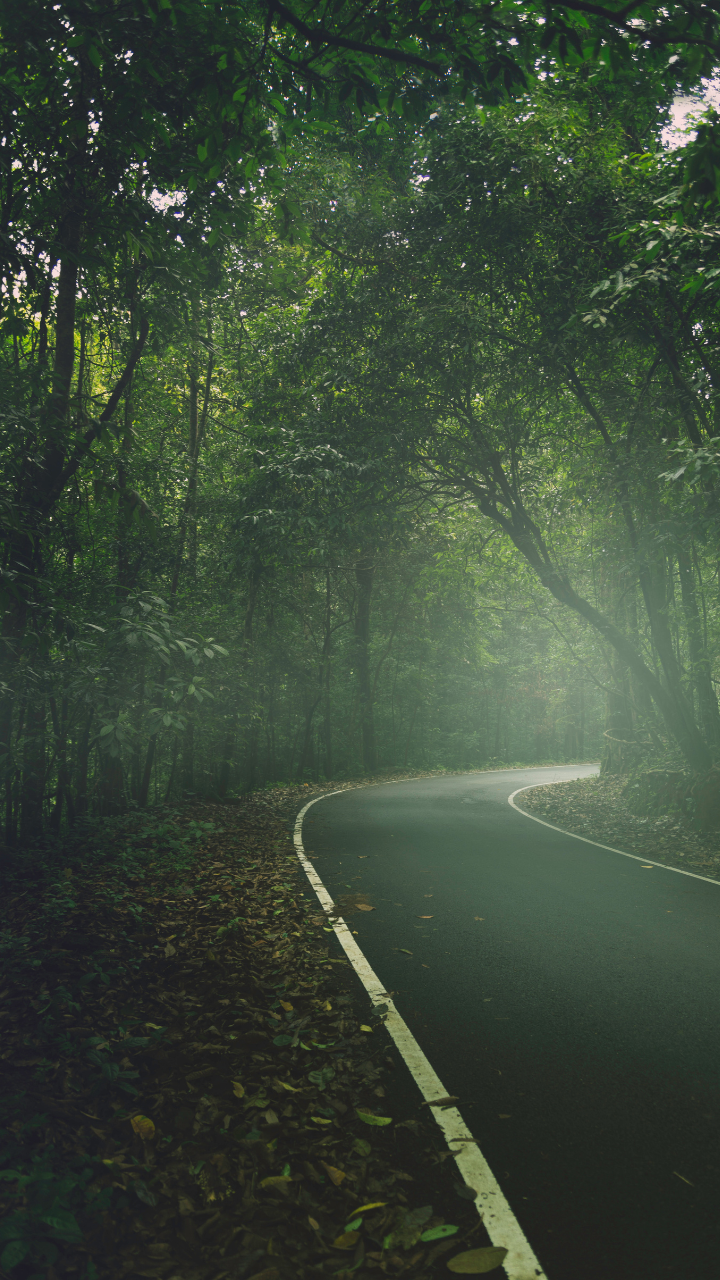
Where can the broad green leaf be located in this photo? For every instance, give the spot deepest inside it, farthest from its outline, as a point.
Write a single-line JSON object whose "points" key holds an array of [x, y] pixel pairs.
{"points": [[368, 1118], [14, 1253], [439, 1233]]}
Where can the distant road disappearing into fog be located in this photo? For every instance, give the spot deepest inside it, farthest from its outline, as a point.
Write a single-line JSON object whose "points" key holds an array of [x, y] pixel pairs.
{"points": [[567, 995]]}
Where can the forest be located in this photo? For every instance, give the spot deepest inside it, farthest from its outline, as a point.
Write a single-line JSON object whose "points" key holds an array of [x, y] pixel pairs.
{"points": [[359, 373], [359, 421]]}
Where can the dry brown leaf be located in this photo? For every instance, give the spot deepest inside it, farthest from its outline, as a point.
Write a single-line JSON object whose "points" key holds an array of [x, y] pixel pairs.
{"points": [[336, 1176], [475, 1262], [364, 906]]}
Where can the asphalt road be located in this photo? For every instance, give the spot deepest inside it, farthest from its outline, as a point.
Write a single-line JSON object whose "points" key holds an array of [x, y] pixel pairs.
{"points": [[566, 995]]}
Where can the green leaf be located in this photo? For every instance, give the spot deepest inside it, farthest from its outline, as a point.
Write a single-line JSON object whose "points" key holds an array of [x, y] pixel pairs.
{"points": [[64, 1224], [282, 1040], [369, 1118], [477, 1261], [439, 1233], [362, 1147], [14, 1253], [322, 1077]]}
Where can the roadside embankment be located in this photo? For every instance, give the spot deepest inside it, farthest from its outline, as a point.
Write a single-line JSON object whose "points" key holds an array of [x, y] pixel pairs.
{"points": [[599, 808]]}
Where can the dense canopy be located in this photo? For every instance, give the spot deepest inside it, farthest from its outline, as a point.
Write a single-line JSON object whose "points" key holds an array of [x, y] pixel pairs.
{"points": [[359, 372]]}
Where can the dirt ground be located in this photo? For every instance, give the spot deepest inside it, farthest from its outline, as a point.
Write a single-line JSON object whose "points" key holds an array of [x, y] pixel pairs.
{"points": [[193, 1085]]}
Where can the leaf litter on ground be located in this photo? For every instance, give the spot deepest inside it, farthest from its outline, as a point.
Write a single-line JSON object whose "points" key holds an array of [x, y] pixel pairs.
{"points": [[184, 1074], [597, 809]]}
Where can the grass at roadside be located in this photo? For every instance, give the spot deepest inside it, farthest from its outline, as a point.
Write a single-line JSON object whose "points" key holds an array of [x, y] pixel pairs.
{"points": [[192, 1084]]}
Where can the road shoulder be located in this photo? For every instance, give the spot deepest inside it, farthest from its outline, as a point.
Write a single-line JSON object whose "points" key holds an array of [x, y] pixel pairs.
{"points": [[596, 809]]}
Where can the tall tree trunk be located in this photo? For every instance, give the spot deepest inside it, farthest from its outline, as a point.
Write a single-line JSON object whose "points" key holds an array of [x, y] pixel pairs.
{"points": [[187, 770], [147, 771], [364, 574], [110, 785], [700, 665], [83, 761], [197, 424], [33, 772], [306, 749], [325, 680], [6, 754], [60, 724]]}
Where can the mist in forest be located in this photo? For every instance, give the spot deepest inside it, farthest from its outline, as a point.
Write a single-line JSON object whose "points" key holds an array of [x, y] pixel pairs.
{"points": [[355, 419]]}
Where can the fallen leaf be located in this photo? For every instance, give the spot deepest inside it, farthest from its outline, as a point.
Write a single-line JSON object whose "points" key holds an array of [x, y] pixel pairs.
{"points": [[425, 966], [424, 917], [238, 1089], [290, 1087], [315, 1225], [320, 1120], [362, 1147], [374, 1204], [170, 950], [285, 1004], [441, 1102], [347, 1240], [404, 950], [144, 1193], [504, 1117], [476, 1262], [369, 1118], [364, 906], [336, 1176], [144, 1127], [364, 1027], [649, 867], [679, 1175], [439, 1233], [479, 917], [278, 1183], [270, 1116]]}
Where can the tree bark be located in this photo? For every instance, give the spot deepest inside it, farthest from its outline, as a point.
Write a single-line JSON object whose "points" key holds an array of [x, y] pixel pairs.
{"points": [[33, 773], [700, 665], [364, 574]]}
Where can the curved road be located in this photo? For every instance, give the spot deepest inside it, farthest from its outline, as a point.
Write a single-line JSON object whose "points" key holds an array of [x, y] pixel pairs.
{"points": [[566, 995]]}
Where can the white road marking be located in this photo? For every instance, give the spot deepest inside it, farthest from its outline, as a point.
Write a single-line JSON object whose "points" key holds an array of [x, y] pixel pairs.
{"points": [[498, 1218], [635, 857]]}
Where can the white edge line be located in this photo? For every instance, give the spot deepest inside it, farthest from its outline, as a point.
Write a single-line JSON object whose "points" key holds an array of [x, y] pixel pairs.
{"points": [[498, 1218], [610, 849]]}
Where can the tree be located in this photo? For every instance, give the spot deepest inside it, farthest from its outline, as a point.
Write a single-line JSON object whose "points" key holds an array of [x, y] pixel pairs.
{"points": [[480, 362]]}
